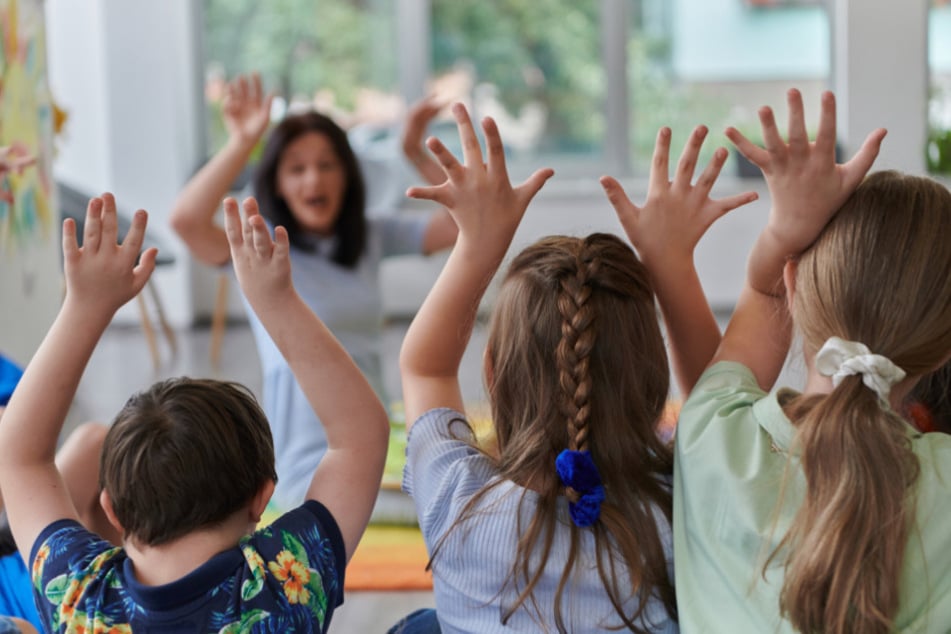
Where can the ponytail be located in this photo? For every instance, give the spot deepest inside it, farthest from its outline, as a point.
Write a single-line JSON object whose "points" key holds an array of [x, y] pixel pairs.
{"points": [[846, 543], [879, 274]]}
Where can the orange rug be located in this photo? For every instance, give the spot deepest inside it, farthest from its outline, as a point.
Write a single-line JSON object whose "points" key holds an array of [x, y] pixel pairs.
{"points": [[389, 558]]}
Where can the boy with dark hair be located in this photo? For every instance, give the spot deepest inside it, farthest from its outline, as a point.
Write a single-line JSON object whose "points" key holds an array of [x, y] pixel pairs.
{"points": [[188, 466]]}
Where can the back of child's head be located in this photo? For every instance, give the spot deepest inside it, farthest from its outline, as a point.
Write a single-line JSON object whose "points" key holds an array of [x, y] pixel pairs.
{"points": [[880, 275], [577, 361], [183, 455]]}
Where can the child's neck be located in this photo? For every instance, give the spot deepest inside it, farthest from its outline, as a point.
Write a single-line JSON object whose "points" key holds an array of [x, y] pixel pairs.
{"points": [[159, 565]]}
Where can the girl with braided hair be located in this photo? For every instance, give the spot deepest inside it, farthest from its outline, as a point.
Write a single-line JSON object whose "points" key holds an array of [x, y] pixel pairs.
{"points": [[825, 510], [565, 525]]}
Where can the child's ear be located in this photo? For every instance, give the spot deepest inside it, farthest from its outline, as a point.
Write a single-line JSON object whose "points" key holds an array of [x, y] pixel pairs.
{"points": [[260, 500], [789, 280], [106, 503]]}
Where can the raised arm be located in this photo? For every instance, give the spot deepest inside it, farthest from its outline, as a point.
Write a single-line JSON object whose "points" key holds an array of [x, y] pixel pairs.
{"points": [[665, 231], [100, 277], [487, 210], [348, 477], [806, 188], [246, 112]]}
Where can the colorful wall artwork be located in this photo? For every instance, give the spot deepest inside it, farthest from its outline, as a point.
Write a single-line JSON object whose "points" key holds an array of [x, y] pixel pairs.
{"points": [[26, 122], [31, 286]]}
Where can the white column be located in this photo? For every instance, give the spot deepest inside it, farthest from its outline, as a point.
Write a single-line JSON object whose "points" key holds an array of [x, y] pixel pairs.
{"points": [[880, 77], [125, 71]]}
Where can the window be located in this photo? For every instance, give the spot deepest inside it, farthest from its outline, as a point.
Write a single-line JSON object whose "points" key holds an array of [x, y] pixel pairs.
{"points": [[336, 55], [581, 86], [939, 105]]}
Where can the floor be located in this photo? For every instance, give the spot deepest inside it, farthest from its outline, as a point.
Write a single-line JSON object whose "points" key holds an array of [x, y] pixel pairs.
{"points": [[122, 365]]}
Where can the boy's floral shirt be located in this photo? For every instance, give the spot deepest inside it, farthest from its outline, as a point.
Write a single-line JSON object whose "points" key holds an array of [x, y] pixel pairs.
{"points": [[287, 577]]}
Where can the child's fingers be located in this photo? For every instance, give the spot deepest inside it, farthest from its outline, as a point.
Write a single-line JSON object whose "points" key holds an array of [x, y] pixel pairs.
{"points": [[732, 202], [109, 220], [756, 155], [439, 194], [448, 162], [233, 223], [660, 163], [136, 235], [798, 137], [92, 230], [494, 147], [70, 246], [281, 242], [617, 196], [250, 206], [143, 270], [771, 136], [856, 169], [261, 239], [471, 151], [534, 183], [712, 171], [825, 140], [688, 158]]}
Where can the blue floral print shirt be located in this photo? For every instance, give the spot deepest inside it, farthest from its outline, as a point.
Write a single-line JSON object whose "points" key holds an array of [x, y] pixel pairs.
{"points": [[286, 577]]}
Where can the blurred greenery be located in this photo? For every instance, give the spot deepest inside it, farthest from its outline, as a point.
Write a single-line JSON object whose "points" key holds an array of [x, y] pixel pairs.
{"points": [[538, 52]]}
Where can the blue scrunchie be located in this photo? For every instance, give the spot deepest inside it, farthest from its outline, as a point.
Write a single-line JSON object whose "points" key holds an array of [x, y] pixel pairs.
{"points": [[578, 471], [10, 374]]}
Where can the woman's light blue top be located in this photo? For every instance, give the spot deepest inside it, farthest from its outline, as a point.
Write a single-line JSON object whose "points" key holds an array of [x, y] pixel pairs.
{"points": [[348, 302]]}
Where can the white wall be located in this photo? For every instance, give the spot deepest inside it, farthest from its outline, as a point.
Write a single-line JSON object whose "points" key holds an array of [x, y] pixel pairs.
{"points": [[124, 71]]}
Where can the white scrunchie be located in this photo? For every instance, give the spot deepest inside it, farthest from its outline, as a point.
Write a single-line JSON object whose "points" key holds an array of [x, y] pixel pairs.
{"points": [[839, 358]]}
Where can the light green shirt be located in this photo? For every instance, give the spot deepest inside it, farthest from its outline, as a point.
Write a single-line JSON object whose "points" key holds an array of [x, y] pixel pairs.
{"points": [[729, 470]]}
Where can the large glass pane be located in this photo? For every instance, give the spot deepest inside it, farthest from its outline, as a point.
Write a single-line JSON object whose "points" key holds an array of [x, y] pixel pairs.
{"points": [[716, 62], [939, 106], [533, 65], [337, 55]]}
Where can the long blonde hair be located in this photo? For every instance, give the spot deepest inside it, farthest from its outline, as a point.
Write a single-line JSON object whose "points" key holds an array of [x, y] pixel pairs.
{"points": [[879, 274], [578, 362]]}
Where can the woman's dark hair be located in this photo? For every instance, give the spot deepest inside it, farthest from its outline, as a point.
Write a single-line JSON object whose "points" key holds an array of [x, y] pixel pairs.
{"points": [[351, 225]]}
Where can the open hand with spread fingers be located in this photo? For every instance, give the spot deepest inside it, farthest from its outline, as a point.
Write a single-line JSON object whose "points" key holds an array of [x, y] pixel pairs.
{"points": [[261, 264], [246, 109], [103, 274], [805, 183], [483, 203], [677, 212]]}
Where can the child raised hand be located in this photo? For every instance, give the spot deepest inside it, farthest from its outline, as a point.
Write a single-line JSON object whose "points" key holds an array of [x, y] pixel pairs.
{"points": [[347, 479], [665, 231], [806, 188], [101, 276], [487, 210], [564, 525], [830, 507]]}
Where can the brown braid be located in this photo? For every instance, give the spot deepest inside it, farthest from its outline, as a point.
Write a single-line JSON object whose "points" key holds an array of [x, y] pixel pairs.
{"points": [[574, 338], [578, 335]]}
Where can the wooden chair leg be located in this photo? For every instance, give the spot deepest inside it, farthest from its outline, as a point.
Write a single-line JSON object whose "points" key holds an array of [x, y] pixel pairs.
{"points": [[163, 322], [147, 330], [218, 318]]}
